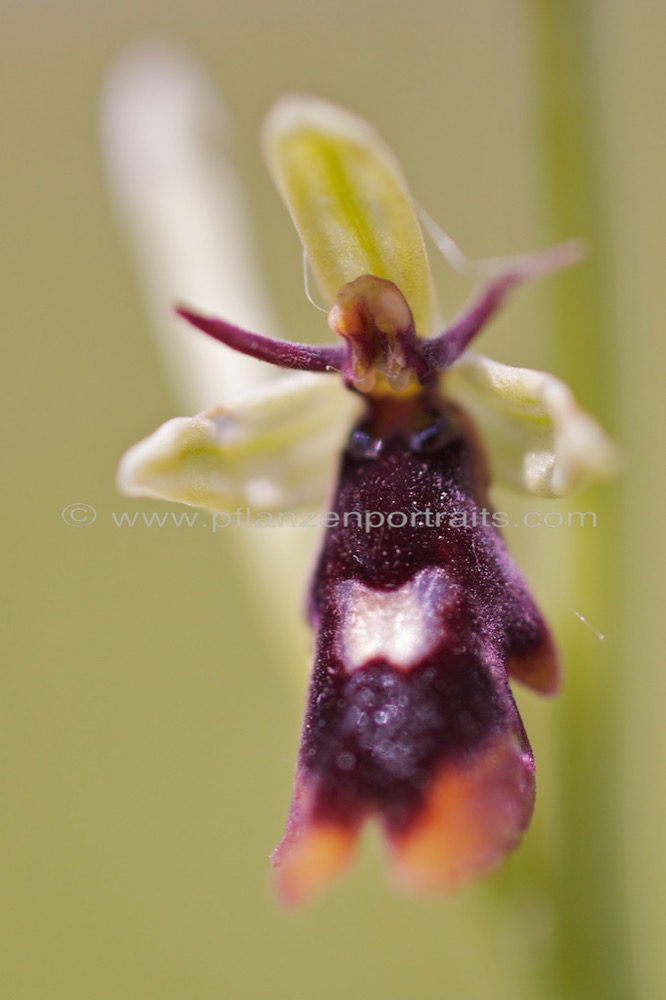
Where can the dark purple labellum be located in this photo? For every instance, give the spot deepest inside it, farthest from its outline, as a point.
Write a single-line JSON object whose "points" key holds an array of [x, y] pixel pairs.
{"points": [[420, 613]]}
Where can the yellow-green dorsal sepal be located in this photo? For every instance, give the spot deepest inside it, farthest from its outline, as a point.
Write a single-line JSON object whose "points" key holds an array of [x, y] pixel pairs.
{"points": [[349, 202]]}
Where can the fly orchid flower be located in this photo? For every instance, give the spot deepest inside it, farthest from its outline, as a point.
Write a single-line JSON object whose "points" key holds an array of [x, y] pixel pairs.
{"points": [[419, 623]]}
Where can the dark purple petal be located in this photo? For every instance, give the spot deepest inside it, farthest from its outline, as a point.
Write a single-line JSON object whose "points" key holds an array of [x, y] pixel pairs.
{"points": [[282, 353], [440, 352]]}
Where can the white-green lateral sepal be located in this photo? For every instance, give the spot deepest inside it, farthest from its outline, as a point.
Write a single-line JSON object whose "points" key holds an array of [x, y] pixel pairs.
{"points": [[349, 202], [270, 449], [537, 437]]}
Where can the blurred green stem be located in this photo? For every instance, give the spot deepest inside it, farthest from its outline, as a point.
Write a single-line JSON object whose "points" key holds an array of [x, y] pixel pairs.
{"points": [[591, 948]]}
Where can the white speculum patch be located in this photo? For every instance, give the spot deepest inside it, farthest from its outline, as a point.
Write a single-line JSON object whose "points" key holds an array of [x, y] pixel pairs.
{"points": [[400, 626]]}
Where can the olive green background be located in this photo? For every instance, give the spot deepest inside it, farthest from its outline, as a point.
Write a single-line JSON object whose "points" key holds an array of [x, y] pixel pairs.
{"points": [[150, 700]]}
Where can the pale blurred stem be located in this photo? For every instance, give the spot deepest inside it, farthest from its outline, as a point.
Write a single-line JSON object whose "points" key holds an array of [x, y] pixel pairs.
{"points": [[591, 947]]}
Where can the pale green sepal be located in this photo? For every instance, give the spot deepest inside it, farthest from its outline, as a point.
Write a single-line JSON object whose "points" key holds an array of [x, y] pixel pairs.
{"points": [[349, 202], [537, 437], [271, 449]]}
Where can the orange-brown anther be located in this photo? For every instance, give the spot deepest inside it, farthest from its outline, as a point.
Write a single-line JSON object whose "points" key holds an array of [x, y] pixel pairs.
{"points": [[371, 314]]}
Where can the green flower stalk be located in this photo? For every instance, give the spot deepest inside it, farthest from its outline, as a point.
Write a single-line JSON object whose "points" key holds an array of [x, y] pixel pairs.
{"points": [[591, 954]]}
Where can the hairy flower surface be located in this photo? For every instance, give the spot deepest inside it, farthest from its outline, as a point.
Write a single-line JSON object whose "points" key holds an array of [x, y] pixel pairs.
{"points": [[421, 620]]}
